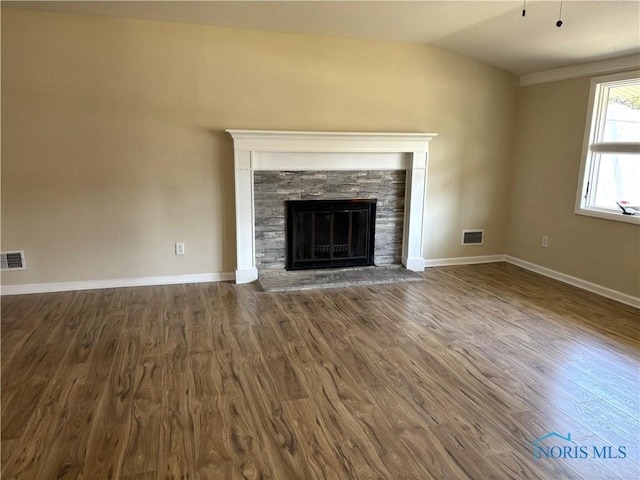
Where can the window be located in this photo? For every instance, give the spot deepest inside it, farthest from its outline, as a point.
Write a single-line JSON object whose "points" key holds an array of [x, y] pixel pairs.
{"points": [[610, 172]]}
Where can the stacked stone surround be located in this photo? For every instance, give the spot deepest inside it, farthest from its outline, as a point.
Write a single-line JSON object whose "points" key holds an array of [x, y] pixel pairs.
{"points": [[273, 188]]}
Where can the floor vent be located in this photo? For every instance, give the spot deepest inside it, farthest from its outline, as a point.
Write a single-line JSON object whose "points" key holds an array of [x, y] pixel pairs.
{"points": [[472, 237], [12, 260]]}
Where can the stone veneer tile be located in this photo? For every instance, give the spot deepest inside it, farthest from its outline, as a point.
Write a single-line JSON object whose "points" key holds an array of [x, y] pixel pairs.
{"points": [[336, 278], [272, 189]]}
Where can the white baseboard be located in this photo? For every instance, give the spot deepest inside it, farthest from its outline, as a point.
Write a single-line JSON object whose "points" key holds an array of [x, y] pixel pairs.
{"points": [[547, 272], [227, 276], [445, 262], [575, 281], [114, 283]]}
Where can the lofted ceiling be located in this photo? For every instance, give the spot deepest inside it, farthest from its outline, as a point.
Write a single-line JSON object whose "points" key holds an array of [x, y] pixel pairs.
{"points": [[493, 32]]}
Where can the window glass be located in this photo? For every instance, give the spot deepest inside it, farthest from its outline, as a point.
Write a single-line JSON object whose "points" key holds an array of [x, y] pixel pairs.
{"points": [[622, 122], [617, 179]]}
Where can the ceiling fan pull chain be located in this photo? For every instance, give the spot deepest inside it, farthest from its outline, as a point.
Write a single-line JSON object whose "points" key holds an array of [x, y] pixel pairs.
{"points": [[559, 22]]}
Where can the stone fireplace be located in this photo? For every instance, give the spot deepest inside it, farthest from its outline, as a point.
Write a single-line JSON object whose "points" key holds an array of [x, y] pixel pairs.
{"points": [[272, 189], [272, 167]]}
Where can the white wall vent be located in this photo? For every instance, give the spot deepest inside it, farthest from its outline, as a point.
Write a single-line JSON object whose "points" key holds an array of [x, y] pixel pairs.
{"points": [[12, 260], [472, 237]]}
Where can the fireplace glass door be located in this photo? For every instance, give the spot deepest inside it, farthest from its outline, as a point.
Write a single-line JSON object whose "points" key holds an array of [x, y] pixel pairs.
{"points": [[330, 233]]}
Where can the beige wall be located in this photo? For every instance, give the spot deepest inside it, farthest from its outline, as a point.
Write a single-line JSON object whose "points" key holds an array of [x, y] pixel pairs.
{"points": [[114, 146], [550, 125]]}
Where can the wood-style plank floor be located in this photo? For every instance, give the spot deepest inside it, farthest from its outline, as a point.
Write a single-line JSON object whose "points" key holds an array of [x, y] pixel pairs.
{"points": [[451, 378]]}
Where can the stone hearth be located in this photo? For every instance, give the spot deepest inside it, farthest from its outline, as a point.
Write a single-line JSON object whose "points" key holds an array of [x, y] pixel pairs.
{"points": [[284, 281]]}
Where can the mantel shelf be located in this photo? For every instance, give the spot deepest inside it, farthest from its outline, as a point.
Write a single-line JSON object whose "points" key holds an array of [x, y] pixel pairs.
{"points": [[300, 141]]}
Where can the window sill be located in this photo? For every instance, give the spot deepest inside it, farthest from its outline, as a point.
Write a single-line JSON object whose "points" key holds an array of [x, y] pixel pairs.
{"points": [[607, 215]]}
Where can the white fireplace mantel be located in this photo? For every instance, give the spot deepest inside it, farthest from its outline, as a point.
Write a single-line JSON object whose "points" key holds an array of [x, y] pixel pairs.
{"points": [[256, 150]]}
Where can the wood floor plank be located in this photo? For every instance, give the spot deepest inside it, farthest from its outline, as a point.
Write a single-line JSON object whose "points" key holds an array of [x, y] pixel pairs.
{"points": [[34, 359], [13, 339], [110, 328], [212, 457], [416, 442], [199, 327], [351, 444], [111, 425], [279, 443], [268, 342], [315, 444], [451, 378], [176, 429], [240, 434], [43, 427], [67, 454], [176, 348], [143, 442], [18, 405], [81, 345], [151, 324]]}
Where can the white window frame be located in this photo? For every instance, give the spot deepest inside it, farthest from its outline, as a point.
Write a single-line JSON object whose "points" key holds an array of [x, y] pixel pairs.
{"points": [[592, 148]]}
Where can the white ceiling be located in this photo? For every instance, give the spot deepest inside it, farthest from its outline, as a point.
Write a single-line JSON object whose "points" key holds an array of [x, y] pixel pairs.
{"points": [[491, 31]]}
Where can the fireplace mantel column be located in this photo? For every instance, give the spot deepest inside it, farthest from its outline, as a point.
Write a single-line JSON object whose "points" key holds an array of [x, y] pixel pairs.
{"points": [[271, 150], [246, 270], [414, 212]]}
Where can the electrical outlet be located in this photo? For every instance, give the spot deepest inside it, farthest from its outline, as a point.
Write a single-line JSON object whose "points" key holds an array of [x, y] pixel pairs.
{"points": [[545, 241], [180, 248]]}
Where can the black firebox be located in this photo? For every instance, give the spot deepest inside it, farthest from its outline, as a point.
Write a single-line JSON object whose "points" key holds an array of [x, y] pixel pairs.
{"points": [[330, 233]]}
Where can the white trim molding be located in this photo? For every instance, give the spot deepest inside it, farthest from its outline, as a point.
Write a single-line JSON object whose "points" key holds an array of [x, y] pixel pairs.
{"points": [[259, 150], [620, 64], [547, 272], [446, 262], [114, 283], [576, 282], [229, 276]]}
